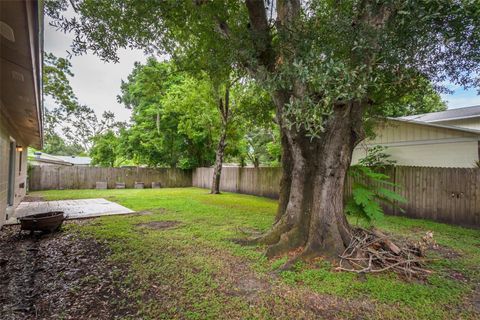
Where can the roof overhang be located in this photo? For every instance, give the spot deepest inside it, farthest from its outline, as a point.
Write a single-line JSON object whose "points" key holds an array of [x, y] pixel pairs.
{"points": [[436, 125], [457, 118], [21, 46]]}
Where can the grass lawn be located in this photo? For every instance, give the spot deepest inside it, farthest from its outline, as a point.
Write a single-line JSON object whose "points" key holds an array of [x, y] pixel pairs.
{"points": [[192, 270]]}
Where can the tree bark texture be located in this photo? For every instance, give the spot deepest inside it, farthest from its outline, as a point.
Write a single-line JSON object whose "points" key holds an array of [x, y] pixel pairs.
{"points": [[217, 171], [224, 109], [310, 211]]}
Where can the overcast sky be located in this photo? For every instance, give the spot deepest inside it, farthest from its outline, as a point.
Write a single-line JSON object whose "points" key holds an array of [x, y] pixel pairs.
{"points": [[97, 84]]}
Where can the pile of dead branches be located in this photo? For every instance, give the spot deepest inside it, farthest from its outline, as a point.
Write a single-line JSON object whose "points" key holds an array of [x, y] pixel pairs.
{"points": [[371, 251]]}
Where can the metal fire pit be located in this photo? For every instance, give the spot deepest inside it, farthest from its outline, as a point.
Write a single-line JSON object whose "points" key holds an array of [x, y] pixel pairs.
{"points": [[47, 221]]}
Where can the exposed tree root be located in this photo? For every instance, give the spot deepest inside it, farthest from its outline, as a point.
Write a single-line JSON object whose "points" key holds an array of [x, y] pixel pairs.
{"points": [[370, 251], [271, 237], [288, 241]]}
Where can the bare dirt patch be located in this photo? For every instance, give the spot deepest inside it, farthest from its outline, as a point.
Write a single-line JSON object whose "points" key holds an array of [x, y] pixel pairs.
{"points": [[283, 301], [159, 225], [59, 276], [243, 282], [476, 299], [141, 213], [445, 252]]}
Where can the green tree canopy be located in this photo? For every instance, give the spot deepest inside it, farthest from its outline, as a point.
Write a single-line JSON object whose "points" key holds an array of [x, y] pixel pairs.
{"points": [[174, 117], [104, 150], [69, 126], [56, 85]]}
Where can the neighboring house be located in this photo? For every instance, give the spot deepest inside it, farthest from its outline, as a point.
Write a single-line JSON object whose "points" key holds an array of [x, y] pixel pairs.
{"points": [[21, 112], [44, 159], [467, 117], [440, 139]]}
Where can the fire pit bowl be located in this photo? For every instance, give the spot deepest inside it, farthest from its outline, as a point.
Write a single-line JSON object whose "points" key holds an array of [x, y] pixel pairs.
{"points": [[47, 221]]}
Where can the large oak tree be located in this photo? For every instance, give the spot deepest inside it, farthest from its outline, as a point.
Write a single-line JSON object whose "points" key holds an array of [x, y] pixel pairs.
{"points": [[329, 65]]}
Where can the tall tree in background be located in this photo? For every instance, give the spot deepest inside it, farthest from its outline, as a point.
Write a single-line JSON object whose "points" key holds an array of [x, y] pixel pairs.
{"points": [[218, 65], [78, 123], [174, 117], [82, 125], [329, 66], [56, 85], [104, 151], [226, 113], [421, 99], [192, 102], [257, 122]]}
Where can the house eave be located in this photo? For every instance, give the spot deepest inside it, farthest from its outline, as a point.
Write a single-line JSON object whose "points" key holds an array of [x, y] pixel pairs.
{"points": [[21, 49], [443, 126]]}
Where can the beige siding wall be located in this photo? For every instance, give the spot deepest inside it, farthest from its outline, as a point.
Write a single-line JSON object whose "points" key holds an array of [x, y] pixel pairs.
{"points": [[20, 169], [412, 144], [4, 144], [472, 123], [456, 154], [396, 132]]}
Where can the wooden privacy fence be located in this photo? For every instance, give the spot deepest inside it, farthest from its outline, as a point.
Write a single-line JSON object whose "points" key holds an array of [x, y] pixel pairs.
{"points": [[263, 182], [449, 195], [53, 177]]}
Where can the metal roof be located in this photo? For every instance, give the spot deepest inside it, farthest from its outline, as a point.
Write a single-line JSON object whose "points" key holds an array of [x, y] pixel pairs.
{"points": [[65, 160], [75, 160], [451, 114]]}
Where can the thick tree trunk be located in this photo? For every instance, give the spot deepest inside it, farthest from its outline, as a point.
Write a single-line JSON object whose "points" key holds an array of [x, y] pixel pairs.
{"points": [[329, 232], [286, 180], [280, 98], [217, 171], [310, 212]]}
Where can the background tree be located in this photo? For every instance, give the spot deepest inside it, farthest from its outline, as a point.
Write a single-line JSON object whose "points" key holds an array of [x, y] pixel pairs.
{"points": [[56, 83], [175, 120], [69, 126], [53, 143], [256, 121], [56, 86], [82, 125], [329, 66], [104, 151], [420, 99]]}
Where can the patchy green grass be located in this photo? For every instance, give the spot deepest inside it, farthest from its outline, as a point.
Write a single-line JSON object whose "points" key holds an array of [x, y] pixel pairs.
{"points": [[192, 270]]}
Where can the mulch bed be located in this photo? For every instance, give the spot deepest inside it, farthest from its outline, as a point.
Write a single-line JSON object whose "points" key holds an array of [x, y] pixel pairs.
{"points": [[59, 276]]}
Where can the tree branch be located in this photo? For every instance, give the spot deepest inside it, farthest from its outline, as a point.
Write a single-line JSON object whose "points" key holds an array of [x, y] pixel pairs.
{"points": [[261, 32]]}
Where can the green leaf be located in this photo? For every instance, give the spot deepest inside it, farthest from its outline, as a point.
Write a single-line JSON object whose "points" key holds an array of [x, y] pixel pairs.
{"points": [[390, 195], [362, 196], [373, 211]]}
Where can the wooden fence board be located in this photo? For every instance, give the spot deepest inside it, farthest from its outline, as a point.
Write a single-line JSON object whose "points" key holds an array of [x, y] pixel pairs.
{"points": [[53, 177], [450, 195]]}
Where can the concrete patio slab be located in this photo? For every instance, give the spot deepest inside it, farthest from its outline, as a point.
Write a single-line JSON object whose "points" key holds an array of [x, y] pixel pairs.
{"points": [[74, 209]]}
